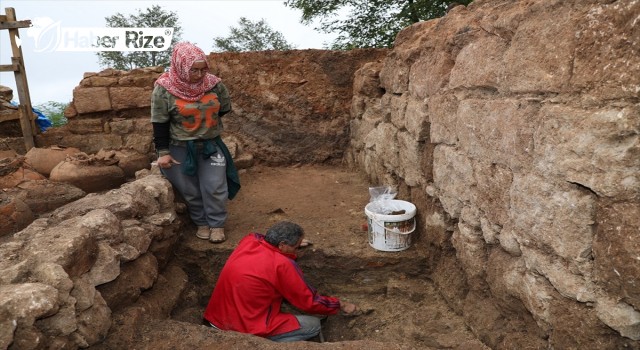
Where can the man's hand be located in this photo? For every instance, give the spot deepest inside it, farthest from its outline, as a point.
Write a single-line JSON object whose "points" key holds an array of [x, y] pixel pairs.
{"points": [[348, 308]]}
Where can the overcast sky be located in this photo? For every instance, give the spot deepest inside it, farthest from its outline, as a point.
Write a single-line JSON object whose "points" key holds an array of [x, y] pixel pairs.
{"points": [[52, 74]]}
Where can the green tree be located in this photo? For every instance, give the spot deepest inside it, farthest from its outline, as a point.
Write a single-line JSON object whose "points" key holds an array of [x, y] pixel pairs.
{"points": [[251, 36], [152, 17], [54, 111], [367, 23]]}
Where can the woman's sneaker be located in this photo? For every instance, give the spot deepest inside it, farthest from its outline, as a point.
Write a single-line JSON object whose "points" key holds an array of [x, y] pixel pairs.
{"points": [[203, 232], [217, 235]]}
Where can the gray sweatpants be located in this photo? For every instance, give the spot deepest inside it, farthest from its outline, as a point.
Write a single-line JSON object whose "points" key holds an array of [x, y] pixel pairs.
{"points": [[205, 193]]}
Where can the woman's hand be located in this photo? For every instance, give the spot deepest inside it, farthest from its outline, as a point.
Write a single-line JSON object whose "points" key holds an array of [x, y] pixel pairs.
{"points": [[166, 161]]}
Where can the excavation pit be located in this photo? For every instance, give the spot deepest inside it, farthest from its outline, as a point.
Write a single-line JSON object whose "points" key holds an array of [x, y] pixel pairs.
{"points": [[399, 304]]}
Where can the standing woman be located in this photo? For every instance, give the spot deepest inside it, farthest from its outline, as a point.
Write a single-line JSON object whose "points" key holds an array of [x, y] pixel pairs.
{"points": [[186, 105]]}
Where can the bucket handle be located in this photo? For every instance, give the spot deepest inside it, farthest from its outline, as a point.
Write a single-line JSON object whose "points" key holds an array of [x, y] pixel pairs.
{"points": [[381, 224]]}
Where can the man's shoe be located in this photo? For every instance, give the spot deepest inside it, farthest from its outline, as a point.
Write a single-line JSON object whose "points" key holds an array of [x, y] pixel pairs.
{"points": [[203, 232], [217, 235]]}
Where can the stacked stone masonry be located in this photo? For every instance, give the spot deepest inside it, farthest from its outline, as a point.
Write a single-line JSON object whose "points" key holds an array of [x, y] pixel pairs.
{"points": [[515, 128]]}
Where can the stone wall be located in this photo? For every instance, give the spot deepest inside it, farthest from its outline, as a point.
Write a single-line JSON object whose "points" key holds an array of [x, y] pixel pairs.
{"points": [[110, 110], [64, 275], [513, 126]]}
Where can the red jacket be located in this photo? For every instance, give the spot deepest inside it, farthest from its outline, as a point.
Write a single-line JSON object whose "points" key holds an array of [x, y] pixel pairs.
{"points": [[252, 285]]}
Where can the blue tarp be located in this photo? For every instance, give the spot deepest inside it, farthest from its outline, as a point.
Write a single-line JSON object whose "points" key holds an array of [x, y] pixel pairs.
{"points": [[42, 120]]}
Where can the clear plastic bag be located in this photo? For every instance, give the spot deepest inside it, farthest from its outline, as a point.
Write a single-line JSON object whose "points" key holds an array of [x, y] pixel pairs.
{"points": [[382, 199]]}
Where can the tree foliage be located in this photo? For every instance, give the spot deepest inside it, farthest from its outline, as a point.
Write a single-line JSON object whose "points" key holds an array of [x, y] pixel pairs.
{"points": [[367, 23], [152, 17], [251, 36], [54, 111]]}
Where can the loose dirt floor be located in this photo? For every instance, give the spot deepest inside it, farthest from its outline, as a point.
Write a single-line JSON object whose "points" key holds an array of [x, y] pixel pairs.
{"points": [[401, 308]]}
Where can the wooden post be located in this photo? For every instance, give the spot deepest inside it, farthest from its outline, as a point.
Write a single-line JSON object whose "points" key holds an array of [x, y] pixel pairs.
{"points": [[27, 119]]}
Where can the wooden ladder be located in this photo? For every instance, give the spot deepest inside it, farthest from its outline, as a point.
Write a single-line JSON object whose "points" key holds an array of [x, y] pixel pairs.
{"points": [[27, 119]]}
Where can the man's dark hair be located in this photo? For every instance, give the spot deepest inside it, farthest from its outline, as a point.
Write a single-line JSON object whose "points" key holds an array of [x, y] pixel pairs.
{"points": [[284, 231]]}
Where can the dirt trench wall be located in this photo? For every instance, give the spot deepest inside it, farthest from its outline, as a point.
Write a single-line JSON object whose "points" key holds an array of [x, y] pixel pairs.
{"points": [[514, 127], [288, 107]]}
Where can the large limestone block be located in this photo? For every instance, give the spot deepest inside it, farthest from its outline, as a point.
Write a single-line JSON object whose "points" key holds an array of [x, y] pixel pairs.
{"points": [[398, 109], [141, 198], [540, 54], [470, 250], [107, 265], [616, 250], [619, 316], [607, 55], [13, 268], [96, 80], [132, 79], [91, 99], [67, 244], [121, 126], [137, 235], [359, 129], [497, 131], [24, 303], [453, 178], [103, 224], [534, 291], [395, 73], [479, 64], [375, 112], [28, 301], [491, 193], [554, 216], [62, 323], [53, 275], [130, 97], [598, 149], [430, 72], [443, 113], [84, 126], [567, 281], [417, 119], [384, 140], [84, 292], [410, 159], [367, 80], [140, 142], [93, 323]]}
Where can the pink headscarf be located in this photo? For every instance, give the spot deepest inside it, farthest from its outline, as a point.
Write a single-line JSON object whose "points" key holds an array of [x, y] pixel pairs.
{"points": [[176, 81]]}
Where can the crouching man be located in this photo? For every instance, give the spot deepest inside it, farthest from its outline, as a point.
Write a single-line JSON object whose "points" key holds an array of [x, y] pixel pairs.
{"points": [[258, 276]]}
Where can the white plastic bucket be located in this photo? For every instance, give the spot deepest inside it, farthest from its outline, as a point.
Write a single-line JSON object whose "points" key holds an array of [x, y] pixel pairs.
{"points": [[391, 233]]}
